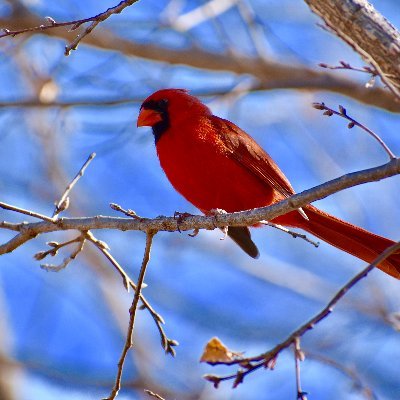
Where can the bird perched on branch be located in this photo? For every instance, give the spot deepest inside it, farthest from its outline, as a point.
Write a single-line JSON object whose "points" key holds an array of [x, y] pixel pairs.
{"points": [[216, 165]]}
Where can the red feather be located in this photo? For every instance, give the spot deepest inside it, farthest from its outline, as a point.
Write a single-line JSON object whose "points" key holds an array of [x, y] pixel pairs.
{"points": [[214, 164]]}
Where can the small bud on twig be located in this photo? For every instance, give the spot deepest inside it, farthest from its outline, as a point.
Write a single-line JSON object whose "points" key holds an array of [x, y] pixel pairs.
{"points": [[41, 255], [50, 20], [319, 106], [63, 206]]}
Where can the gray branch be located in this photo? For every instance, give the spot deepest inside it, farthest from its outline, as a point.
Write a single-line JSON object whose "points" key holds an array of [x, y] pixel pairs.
{"points": [[28, 231], [371, 35], [269, 74]]}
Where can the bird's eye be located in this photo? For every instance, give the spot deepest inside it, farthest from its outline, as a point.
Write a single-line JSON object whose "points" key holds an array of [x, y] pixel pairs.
{"points": [[156, 105], [163, 103]]}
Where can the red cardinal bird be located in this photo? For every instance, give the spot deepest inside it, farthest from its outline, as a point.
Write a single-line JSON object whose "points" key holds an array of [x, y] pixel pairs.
{"points": [[216, 165]]}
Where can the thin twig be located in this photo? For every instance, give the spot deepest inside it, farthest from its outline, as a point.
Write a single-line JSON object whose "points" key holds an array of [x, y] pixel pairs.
{"points": [[166, 343], [33, 214], [290, 232], [128, 212], [63, 203], [251, 364], [55, 246], [103, 247], [298, 357], [95, 21], [366, 23], [51, 23], [343, 113], [345, 65], [152, 394], [67, 260], [132, 311]]}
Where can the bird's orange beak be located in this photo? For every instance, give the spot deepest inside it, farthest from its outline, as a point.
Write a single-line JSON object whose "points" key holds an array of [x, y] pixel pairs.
{"points": [[148, 117]]}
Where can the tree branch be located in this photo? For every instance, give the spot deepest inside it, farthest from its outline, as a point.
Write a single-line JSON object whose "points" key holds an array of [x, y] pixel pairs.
{"points": [[269, 74], [343, 113], [251, 364], [62, 204], [249, 217], [132, 311], [51, 24], [371, 35]]}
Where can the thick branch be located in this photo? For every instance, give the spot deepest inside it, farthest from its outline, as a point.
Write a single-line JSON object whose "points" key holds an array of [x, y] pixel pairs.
{"points": [[250, 217], [269, 74], [367, 32]]}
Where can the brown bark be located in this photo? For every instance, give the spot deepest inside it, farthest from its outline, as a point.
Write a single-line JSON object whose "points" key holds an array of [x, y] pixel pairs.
{"points": [[28, 231], [363, 28], [269, 74]]}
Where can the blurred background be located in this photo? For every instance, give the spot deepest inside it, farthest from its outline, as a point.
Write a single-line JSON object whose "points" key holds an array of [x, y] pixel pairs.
{"points": [[256, 63]]}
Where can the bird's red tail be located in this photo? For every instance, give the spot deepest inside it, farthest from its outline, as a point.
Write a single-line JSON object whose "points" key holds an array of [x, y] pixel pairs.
{"points": [[350, 238]]}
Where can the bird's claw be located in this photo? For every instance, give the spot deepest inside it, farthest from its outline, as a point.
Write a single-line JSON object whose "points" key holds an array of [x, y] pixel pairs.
{"points": [[225, 232], [194, 233], [215, 212], [180, 217]]}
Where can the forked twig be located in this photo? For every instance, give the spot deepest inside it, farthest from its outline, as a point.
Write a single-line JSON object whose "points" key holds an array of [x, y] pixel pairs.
{"points": [[55, 246], [60, 206], [132, 311], [51, 23], [251, 364], [67, 260], [346, 66], [167, 344], [343, 113]]}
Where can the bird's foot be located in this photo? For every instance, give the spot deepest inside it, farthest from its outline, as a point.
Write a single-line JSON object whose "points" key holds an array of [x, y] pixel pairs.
{"points": [[194, 233], [215, 212], [180, 217]]}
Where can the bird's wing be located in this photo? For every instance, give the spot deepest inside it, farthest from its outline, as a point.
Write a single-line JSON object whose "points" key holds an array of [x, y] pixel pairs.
{"points": [[243, 149]]}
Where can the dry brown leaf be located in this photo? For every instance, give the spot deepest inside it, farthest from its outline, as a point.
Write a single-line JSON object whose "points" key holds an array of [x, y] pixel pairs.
{"points": [[216, 352]]}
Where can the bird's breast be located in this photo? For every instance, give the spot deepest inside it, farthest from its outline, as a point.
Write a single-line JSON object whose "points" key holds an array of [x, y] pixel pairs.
{"points": [[200, 167]]}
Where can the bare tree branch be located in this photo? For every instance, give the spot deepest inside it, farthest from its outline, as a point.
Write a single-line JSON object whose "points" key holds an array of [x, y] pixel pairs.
{"points": [[298, 357], [370, 34], [251, 364], [343, 113], [62, 204], [166, 343], [19, 210], [132, 312], [249, 217], [51, 24], [269, 74]]}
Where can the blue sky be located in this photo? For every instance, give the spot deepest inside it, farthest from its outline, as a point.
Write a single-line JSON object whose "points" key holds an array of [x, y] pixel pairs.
{"points": [[66, 330]]}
